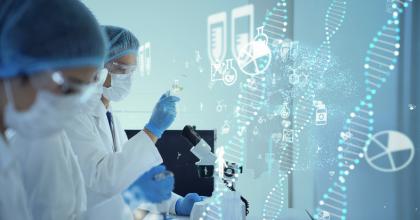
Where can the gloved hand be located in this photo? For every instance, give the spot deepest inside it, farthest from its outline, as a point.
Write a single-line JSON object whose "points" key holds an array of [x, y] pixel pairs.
{"points": [[163, 114], [184, 206], [152, 189]]}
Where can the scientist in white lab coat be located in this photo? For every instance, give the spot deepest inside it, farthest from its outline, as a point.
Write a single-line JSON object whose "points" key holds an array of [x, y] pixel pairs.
{"points": [[111, 163], [50, 54]]}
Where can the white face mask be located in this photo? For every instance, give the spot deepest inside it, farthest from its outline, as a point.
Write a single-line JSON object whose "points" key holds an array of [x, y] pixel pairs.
{"points": [[120, 87], [47, 115], [97, 92]]}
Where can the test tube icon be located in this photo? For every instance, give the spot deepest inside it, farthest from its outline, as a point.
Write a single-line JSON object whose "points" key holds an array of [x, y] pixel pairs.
{"points": [[241, 36], [216, 37]]}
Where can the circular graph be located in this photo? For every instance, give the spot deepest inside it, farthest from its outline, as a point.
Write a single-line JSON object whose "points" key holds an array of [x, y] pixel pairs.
{"points": [[389, 151], [254, 58]]}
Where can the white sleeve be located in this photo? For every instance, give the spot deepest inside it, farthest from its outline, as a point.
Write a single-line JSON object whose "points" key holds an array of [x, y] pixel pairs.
{"points": [[107, 173]]}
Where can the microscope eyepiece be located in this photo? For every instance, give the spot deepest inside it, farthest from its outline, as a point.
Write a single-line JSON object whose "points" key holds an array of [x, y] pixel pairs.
{"points": [[191, 135]]}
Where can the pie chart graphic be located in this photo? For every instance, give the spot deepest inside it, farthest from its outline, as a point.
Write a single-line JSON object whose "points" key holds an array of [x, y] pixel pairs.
{"points": [[255, 58], [389, 151]]}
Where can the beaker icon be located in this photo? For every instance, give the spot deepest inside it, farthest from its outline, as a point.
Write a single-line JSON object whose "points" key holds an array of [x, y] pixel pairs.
{"points": [[230, 74]]}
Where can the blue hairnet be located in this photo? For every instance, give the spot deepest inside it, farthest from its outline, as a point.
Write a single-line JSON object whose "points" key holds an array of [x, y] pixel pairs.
{"points": [[121, 42], [9, 8], [48, 35]]}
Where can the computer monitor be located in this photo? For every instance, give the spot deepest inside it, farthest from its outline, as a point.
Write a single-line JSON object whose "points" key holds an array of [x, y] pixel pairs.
{"points": [[177, 158]]}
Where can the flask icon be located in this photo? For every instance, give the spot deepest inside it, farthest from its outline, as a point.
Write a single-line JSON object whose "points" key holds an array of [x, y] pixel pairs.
{"points": [[255, 58], [226, 127], [261, 36], [285, 111], [230, 74]]}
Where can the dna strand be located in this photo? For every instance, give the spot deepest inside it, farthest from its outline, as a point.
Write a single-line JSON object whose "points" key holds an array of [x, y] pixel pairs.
{"points": [[251, 99], [303, 111], [381, 58], [276, 22]]}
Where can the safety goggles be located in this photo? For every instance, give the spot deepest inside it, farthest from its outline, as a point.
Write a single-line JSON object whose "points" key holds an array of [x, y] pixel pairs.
{"points": [[119, 68], [56, 81]]}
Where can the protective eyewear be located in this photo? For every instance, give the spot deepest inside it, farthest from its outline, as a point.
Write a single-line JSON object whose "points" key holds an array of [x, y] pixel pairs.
{"points": [[56, 81], [119, 68]]}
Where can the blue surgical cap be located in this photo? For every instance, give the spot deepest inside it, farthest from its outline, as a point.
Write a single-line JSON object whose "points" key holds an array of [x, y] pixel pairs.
{"points": [[9, 8], [50, 34], [122, 42]]}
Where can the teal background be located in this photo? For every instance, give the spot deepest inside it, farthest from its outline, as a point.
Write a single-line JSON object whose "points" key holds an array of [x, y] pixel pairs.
{"points": [[176, 29]]}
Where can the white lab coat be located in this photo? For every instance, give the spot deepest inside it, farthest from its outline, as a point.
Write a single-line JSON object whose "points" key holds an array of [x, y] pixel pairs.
{"points": [[51, 176], [167, 206], [107, 174], [13, 201]]}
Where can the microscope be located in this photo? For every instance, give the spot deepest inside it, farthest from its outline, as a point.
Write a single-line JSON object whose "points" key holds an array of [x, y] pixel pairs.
{"points": [[207, 161]]}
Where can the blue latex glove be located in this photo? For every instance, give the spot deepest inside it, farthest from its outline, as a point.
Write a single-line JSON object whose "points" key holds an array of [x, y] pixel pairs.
{"points": [[150, 189], [184, 206], [163, 114]]}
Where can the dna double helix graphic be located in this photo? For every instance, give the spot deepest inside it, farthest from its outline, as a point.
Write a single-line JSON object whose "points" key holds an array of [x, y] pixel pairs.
{"points": [[303, 111], [276, 23], [380, 61], [251, 97]]}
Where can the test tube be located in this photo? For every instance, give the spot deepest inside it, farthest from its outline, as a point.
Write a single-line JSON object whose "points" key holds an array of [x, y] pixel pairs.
{"points": [[176, 88]]}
